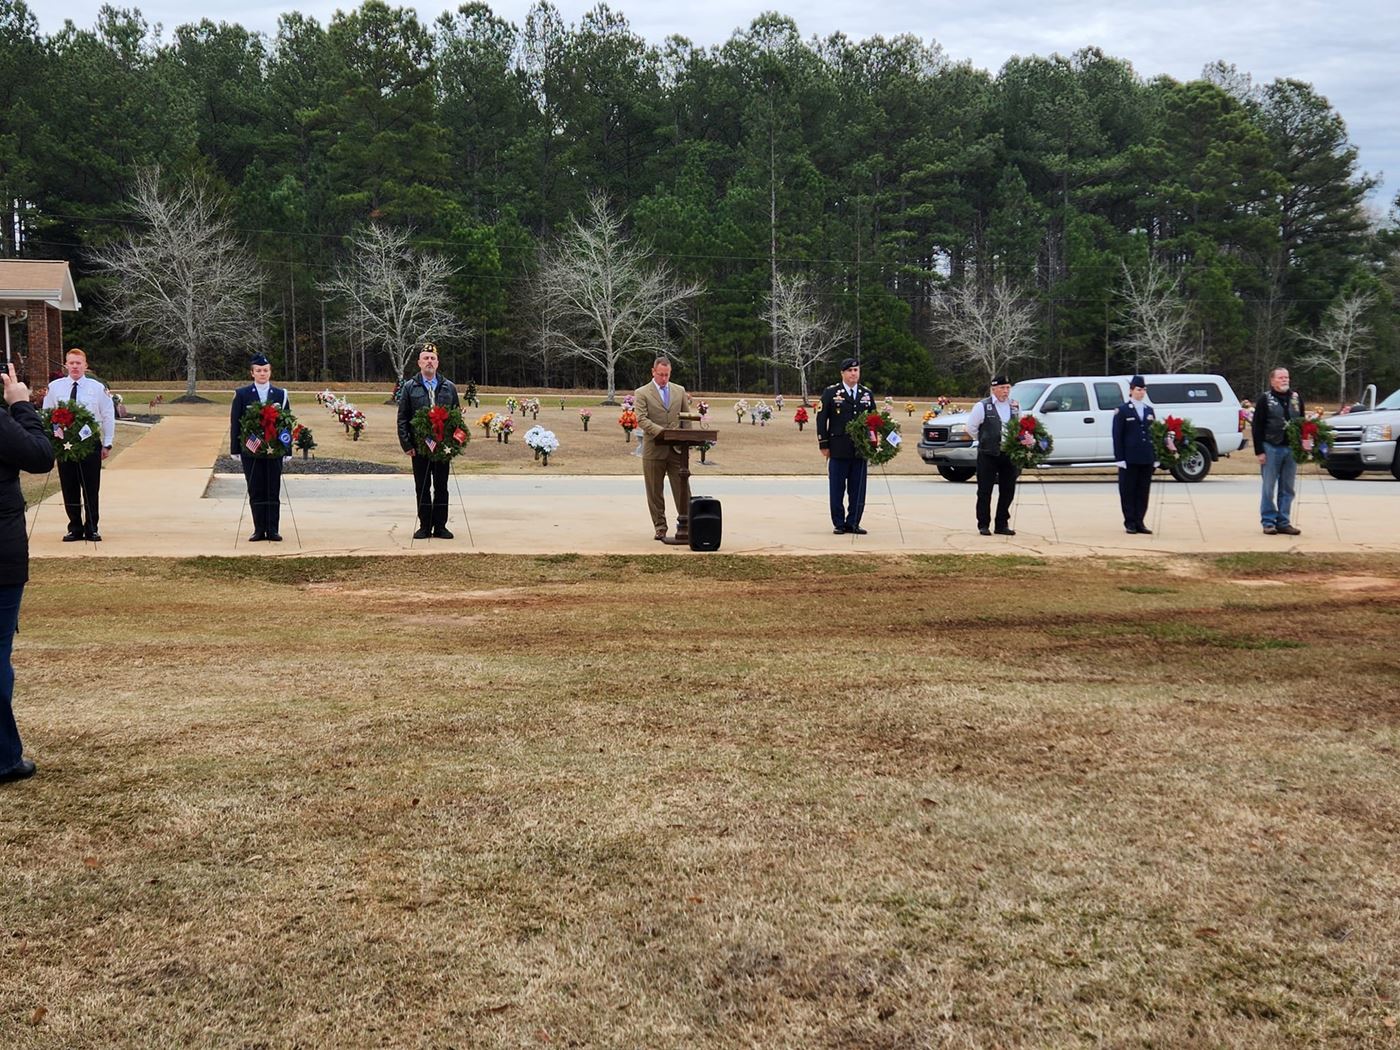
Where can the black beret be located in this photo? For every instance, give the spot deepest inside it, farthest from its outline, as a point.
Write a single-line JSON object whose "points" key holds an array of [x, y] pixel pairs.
{"points": [[850, 362], [259, 359], [1000, 381]]}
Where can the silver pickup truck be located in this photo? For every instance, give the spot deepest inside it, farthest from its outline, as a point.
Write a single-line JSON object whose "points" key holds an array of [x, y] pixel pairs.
{"points": [[1078, 411], [1366, 438]]}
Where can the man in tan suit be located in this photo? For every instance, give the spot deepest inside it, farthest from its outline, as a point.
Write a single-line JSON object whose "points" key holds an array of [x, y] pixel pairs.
{"points": [[659, 407]]}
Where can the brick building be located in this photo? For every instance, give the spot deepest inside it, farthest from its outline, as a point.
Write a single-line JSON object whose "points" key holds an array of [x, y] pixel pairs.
{"points": [[34, 293]]}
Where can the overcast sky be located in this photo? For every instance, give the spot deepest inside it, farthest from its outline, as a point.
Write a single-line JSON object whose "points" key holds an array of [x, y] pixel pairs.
{"points": [[1349, 50]]}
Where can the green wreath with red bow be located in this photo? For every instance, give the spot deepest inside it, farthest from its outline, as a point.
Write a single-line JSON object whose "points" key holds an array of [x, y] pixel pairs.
{"points": [[439, 432], [67, 423], [265, 431]]}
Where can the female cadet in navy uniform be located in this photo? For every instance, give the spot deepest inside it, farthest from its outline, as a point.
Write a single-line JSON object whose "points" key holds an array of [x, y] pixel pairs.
{"points": [[1136, 455]]}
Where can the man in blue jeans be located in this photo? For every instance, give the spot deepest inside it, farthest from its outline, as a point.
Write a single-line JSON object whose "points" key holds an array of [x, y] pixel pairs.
{"points": [[23, 446], [1275, 409]]}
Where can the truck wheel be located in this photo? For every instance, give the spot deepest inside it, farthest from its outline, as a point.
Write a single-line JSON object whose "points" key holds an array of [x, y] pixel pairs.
{"points": [[1344, 475], [1193, 467], [956, 473]]}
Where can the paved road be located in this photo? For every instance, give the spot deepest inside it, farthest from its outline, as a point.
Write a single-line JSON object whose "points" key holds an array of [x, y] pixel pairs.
{"points": [[160, 498]]}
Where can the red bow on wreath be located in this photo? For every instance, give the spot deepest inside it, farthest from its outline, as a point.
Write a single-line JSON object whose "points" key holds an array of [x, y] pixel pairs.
{"points": [[1173, 425], [437, 416], [1309, 430], [873, 423], [62, 416], [1027, 425], [269, 423]]}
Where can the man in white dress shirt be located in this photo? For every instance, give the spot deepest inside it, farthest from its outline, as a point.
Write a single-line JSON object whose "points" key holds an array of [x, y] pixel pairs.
{"points": [[82, 479], [987, 422]]}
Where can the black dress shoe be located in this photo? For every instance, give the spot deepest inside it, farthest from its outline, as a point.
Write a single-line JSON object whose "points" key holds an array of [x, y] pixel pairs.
{"points": [[21, 770], [94, 536], [275, 537], [1131, 530], [422, 534], [984, 530], [257, 537], [840, 530], [857, 530], [1144, 530], [72, 537], [1006, 531], [442, 532]]}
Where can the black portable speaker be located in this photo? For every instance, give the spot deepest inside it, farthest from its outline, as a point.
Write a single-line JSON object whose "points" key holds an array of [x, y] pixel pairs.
{"points": [[705, 523]]}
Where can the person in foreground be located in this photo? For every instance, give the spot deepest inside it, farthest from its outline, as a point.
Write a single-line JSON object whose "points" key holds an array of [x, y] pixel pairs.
{"points": [[1278, 470], [659, 407], [986, 423], [263, 474], [846, 471], [23, 446], [1135, 455], [425, 390]]}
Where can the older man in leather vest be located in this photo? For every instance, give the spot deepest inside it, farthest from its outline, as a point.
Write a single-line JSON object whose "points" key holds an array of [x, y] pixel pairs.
{"points": [[987, 423]]}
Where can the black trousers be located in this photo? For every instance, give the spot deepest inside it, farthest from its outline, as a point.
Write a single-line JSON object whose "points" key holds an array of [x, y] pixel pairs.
{"points": [[1134, 488], [264, 477], [1000, 473], [846, 489], [430, 482], [81, 481]]}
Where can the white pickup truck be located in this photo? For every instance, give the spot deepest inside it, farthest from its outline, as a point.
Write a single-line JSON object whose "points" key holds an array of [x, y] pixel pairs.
{"points": [[1078, 411], [1366, 438]]}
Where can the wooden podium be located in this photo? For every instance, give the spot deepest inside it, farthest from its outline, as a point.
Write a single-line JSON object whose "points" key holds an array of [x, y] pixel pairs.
{"points": [[684, 439]]}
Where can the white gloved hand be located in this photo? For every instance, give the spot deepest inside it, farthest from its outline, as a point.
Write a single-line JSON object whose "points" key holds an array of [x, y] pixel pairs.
{"points": [[1121, 465]]}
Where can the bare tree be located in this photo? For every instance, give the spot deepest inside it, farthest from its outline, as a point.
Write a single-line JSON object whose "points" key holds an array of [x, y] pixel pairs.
{"points": [[397, 296], [1341, 339], [606, 300], [1157, 319], [802, 336], [181, 278], [988, 330]]}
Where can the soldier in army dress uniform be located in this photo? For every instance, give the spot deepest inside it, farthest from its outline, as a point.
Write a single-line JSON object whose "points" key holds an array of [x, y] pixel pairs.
{"points": [[845, 469]]}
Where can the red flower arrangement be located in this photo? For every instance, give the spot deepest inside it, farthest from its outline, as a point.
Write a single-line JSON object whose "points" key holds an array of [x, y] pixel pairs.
{"points": [[628, 422], [61, 417]]}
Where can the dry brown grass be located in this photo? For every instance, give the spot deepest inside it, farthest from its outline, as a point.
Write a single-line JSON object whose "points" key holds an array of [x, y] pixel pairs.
{"points": [[665, 802]]}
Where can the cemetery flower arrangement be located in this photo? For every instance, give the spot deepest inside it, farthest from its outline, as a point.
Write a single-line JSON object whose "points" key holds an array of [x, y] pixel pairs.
{"points": [[1026, 442], [325, 398], [629, 402], [439, 432], [502, 427], [703, 407], [302, 439], [531, 405], [764, 413], [628, 422], [355, 420], [909, 407], [542, 441], [485, 422], [1309, 439], [585, 414], [740, 408], [1172, 438], [875, 436], [800, 416], [943, 404], [74, 431], [930, 414], [512, 405], [266, 430]]}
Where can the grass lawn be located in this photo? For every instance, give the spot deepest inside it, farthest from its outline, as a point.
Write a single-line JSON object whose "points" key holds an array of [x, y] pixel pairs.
{"points": [[725, 802]]}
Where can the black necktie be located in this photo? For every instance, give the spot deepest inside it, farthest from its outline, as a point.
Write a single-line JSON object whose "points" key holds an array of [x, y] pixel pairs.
{"points": [[74, 395]]}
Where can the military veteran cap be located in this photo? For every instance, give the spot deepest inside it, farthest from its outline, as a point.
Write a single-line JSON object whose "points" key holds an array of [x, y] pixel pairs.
{"points": [[1137, 381], [850, 362], [1000, 381], [259, 359]]}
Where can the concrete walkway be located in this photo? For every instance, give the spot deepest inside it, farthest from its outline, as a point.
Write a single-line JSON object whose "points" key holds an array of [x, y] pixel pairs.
{"points": [[160, 498]]}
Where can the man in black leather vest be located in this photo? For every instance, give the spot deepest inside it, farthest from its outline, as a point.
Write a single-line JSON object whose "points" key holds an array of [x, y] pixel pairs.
{"points": [[986, 423], [1275, 409]]}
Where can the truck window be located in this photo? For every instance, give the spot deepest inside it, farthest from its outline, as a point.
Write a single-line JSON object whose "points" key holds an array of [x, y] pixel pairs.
{"points": [[1068, 397], [1109, 395], [1200, 393]]}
